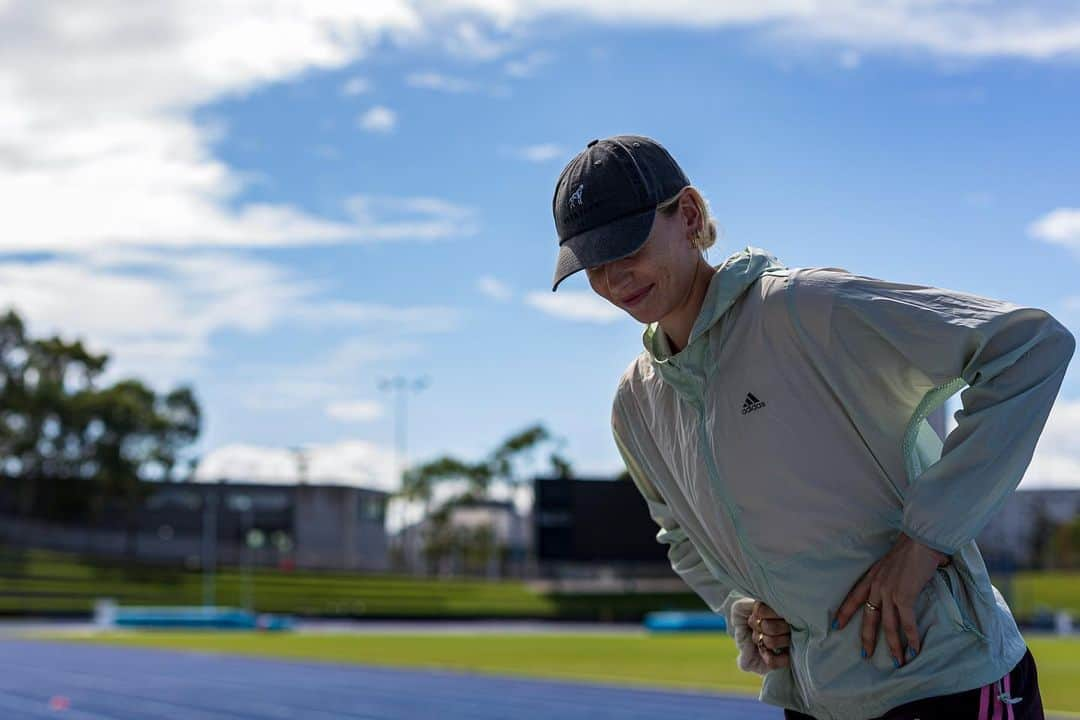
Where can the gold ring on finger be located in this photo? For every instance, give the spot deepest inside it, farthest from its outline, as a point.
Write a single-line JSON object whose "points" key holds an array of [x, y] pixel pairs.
{"points": [[871, 606], [759, 624]]}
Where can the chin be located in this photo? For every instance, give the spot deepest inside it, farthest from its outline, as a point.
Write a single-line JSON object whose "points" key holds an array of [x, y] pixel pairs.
{"points": [[644, 315]]}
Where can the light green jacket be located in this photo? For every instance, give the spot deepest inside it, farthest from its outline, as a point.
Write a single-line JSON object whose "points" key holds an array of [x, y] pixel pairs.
{"points": [[784, 449]]}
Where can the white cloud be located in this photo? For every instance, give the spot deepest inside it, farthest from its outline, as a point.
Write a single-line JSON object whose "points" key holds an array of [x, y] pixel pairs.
{"points": [[580, 305], [380, 119], [325, 379], [945, 28], [849, 60], [352, 462], [354, 352], [105, 204], [355, 410], [494, 288], [284, 388], [528, 65], [542, 153], [97, 138], [440, 82], [156, 310], [405, 320], [385, 218], [1061, 226], [454, 85], [355, 86], [1056, 462], [96, 99], [122, 183], [371, 218], [156, 313], [471, 39]]}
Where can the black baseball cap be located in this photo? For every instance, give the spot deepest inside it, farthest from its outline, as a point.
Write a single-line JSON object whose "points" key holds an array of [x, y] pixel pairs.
{"points": [[606, 198]]}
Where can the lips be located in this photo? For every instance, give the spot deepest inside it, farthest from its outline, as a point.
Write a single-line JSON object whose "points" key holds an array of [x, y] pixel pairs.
{"points": [[637, 296]]}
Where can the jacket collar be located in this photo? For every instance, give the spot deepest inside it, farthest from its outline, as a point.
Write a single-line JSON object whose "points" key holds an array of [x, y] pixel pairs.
{"points": [[731, 279]]}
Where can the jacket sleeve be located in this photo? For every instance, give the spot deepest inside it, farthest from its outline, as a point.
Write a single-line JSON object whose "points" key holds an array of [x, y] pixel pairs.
{"points": [[1012, 359], [686, 561]]}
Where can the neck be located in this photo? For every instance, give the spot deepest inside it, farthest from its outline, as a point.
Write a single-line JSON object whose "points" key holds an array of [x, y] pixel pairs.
{"points": [[677, 324]]}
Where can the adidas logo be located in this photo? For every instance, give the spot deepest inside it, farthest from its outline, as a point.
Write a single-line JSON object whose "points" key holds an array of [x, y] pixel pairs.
{"points": [[751, 404]]}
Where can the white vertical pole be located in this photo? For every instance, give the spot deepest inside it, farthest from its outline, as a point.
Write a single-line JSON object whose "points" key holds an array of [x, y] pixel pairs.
{"points": [[209, 544]]}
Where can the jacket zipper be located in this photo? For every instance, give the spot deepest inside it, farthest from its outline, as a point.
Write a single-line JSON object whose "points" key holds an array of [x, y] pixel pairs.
{"points": [[753, 561], [706, 450]]}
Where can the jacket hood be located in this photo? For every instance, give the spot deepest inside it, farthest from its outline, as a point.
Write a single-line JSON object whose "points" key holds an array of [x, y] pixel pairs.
{"points": [[732, 278]]}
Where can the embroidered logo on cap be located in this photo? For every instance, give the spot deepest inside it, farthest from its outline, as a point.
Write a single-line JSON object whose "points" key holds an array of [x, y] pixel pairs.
{"points": [[575, 198]]}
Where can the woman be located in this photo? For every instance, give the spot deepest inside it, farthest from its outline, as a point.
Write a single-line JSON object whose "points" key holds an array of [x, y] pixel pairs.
{"points": [[775, 425]]}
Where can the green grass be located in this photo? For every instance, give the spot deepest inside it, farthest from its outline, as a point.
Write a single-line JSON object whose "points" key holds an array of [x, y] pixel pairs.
{"points": [[687, 660], [1053, 589], [1058, 660], [36, 582], [39, 581]]}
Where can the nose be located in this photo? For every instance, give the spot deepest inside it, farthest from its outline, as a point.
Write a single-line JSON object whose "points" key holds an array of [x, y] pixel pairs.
{"points": [[615, 271]]}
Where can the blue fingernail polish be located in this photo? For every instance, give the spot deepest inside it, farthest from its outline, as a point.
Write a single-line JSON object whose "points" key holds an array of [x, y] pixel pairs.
{"points": [[911, 652], [863, 651], [895, 662], [835, 623]]}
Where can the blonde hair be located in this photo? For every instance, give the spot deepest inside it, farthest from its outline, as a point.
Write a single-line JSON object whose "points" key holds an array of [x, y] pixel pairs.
{"points": [[706, 233]]}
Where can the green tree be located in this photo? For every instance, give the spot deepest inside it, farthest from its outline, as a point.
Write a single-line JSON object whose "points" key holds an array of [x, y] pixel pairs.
{"points": [[67, 445], [141, 436], [1066, 545], [45, 384], [1041, 536], [505, 463]]}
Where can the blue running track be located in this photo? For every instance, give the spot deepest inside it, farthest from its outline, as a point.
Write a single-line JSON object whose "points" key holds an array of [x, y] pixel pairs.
{"points": [[68, 681]]}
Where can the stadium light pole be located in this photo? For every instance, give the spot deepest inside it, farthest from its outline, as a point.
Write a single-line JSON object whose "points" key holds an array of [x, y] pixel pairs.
{"points": [[301, 455], [249, 601], [245, 505], [399, 386]]}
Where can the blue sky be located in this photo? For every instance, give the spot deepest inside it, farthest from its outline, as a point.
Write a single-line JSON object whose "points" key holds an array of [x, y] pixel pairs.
{"points": [[282, 207]]}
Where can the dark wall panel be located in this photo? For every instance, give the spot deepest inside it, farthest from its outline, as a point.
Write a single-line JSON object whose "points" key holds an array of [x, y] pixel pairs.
{"points": [[594, 521]]}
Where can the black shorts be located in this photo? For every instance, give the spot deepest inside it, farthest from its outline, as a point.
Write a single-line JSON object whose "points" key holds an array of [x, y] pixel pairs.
{"points": [[1021, 685]]}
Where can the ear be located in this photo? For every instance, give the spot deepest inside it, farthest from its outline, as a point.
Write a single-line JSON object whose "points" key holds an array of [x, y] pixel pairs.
{"points": [[689, 212]]}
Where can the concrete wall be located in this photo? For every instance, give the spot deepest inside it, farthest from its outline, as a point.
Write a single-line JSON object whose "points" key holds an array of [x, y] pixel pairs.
{"points": [[333, 532], [329, 527]]}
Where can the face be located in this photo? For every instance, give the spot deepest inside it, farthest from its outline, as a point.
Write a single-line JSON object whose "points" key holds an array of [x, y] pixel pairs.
{"points": [[657, 278]]}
